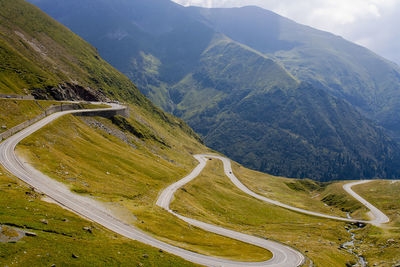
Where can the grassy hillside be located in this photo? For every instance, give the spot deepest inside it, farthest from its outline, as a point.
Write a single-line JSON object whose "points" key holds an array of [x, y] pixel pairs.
{"points": [[385, 195], [324, 197], [64, 235], [44, 58], [41, 57], [134, 181], [225, 77], [224, 204], [320, 239], [125, 170]]}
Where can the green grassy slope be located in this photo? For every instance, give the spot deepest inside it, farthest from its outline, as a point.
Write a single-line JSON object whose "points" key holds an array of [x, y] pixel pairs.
{"points": [[224, 204], [136, 180], [324, 197], [127, 171], [385, 196], [64, 235], [42, 57], [320, 239], [227, 74]]}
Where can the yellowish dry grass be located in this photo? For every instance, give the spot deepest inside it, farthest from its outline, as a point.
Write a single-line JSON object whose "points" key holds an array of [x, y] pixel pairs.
{"points": [[381, 245], [305, 194], [96, 163], [129, 178], [64, 235], [212, 198]]}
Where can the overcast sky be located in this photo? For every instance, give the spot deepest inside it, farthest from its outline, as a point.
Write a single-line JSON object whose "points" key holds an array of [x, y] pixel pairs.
{"points": [[371, 23]]}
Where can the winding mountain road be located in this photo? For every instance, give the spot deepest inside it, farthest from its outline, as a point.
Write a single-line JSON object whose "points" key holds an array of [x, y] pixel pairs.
{"points": [[283, 256], [379, 216], [166, 196]]}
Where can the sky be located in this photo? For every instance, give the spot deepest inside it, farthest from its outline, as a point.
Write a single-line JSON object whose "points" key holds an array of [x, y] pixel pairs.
{"points": [[370, 23]]}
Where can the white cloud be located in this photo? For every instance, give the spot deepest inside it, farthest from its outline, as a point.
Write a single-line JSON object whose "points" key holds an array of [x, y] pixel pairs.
{"points": [[372, 23]]}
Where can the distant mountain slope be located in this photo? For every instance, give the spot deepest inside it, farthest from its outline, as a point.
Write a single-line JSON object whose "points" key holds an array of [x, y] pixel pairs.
{"points": [[347, 70], [241, 98]]}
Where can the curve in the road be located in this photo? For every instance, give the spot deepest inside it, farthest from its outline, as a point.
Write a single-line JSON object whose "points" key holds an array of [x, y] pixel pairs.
{"points": [[166, 196], [379, 216], [282, 255]]}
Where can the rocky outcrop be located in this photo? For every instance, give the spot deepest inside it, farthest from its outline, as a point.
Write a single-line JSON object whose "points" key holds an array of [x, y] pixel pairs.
{"points": [[69, 91], [11, 234]]}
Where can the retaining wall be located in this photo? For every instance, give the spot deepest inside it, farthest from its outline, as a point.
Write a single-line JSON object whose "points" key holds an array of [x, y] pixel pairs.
{"points": [[105, 113]]}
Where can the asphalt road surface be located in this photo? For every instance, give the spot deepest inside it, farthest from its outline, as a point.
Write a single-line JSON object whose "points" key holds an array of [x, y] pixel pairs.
{"points": [[282, 255]]}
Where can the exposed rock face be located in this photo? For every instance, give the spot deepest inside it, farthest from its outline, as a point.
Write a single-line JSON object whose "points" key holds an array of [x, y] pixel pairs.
{"points": [[69, 91]]}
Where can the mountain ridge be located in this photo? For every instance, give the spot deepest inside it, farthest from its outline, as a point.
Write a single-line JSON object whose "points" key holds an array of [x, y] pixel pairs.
{"points": [[204, 74]]}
